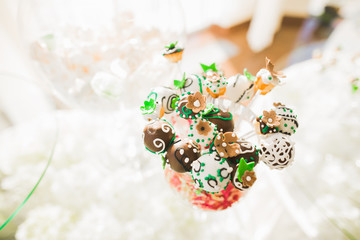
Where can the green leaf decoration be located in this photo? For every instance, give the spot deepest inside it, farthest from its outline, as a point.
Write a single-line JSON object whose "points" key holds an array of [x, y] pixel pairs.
{"points": [[244, 166], [207, 68], [208, 109], [171, 45], [149, 107], [265, 129], [180, 84], [248, 75]]}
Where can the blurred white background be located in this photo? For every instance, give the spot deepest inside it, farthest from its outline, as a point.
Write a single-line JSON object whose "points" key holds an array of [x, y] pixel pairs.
{"points": [[101, 184]]}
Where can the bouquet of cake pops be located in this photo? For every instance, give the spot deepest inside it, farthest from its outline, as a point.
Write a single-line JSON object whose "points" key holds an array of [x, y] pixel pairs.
{"points": [[191, 128]]}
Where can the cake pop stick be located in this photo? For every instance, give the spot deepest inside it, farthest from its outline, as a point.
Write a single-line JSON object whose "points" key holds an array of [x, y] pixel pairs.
{"points": [[248, 135]]}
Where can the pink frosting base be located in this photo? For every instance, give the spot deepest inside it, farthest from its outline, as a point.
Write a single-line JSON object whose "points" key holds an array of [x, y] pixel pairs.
{"points": [[184, 184]]}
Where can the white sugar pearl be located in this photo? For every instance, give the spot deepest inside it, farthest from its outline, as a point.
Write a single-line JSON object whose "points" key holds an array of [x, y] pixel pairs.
{"points": [[186, 160], [221, 154], [223, 144], [195, 150], [237, 151], [248, 178], [189, 146], [182, 151], [270, 120]]}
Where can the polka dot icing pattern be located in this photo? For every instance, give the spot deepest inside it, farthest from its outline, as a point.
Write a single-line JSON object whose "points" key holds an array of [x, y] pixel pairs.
{"points": [[211, 172], [191, 106], [203, 132], [288, 123], [214, 82], [182, 154], [216, 87], [248, 151]]}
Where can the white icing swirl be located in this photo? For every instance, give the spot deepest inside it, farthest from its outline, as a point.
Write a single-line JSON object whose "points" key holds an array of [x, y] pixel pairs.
{"points": [[166, 128], [159, 143]]}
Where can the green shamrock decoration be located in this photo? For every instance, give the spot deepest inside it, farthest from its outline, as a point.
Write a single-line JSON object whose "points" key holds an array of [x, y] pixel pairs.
{"points": [[171, 45], [180, 84], [244, 166], [248, 75], [211, 67], [149, 107]]}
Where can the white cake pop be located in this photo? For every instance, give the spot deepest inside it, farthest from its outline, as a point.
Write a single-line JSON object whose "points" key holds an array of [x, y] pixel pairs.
{"points": [[277, 151], [240, 89], [160, 101], [288, 123], [211, 172]]}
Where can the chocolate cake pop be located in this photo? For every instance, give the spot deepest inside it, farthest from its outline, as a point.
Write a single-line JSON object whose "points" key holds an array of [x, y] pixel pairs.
{"points": [[225, 144], [181, 154], [243, 176], [158, 136], [223, 120], [247, 151]]}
